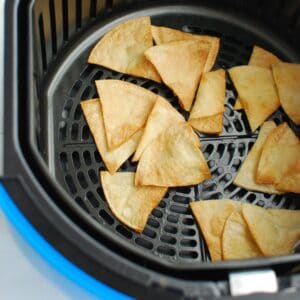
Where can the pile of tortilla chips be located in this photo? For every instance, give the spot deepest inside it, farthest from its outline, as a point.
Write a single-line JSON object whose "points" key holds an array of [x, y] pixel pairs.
{"points": [[127, 120], [235, 230], [272, 165]]}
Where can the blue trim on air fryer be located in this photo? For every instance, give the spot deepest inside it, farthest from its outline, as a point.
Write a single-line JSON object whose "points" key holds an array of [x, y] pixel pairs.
{"points": [[53, 257]]}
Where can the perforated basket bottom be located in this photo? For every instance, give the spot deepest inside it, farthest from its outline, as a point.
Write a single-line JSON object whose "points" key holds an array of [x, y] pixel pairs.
{"points": [[171, 231]]}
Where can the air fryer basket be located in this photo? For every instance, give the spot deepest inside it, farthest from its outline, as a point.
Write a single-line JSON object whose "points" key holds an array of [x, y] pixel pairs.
{"points": [[50, 156]]}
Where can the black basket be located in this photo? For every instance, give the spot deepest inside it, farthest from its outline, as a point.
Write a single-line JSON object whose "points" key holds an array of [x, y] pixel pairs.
{"points": [[51, 165]]}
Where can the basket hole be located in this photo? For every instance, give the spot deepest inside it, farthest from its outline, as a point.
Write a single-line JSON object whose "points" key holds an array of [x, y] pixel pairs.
{"points": [[183, 189], [86, 72], [67, 108], [77, 113], [98, 75], [188, 221], [188, 232], [230, 188], [210, 188], [80, 202], [168, 239], [74, 131], [87, 158], [147, 84], [216, 196], [170, 229], [209, 150], [144, 243], [81, 179], [162, 204], [76, 160], [242, 149], [188, 243], [70, 183], [157, 213], [172, 218], [97, 156], [76, 87], [85, 132], [86, 93], [123, 231], [62, 131], [106, 217], [166, 250], [93, 176], [64, 161], [150, 233], [181, 199], [153, 223], [101, 194], [238, 126], [179, 209], [188, 254], [251, 198]]}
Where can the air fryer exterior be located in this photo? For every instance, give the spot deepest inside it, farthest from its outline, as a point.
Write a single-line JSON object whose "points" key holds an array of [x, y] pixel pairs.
{"points": [[75, 235]]}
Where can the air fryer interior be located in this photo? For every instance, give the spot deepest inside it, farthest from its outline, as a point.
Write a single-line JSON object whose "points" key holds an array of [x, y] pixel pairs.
{"points": [[63, 33]]}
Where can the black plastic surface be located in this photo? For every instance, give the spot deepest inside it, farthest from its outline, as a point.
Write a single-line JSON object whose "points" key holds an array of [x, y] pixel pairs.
{"points": [[36, 106]]}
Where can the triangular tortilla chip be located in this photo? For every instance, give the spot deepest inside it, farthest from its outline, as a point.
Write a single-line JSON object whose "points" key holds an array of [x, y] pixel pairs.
{"points": [[211, 216], [260, 58], [162, 116], [257, 92], [263, 58], [287, 79], [122, 49], [290, 181], [125, 107], [113, 159], [173, 159], [275, 231], [130, 204], [246, 176], [280, 151], [180, 65], [162, 35], [237, 241], [207, 113]]}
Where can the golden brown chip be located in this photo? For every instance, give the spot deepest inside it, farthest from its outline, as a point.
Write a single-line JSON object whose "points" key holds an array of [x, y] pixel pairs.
{"points": [[162, 116], [211, 216], [207, 113], [162, 35], [113, 159], [287, 79], [122, 49], [130, 204], [125, 107], [263, 58], [237, 241], [275, 231], [290, 181], [257, 92], [173, 159], [246, 176], [180, 65], [280, 151]]}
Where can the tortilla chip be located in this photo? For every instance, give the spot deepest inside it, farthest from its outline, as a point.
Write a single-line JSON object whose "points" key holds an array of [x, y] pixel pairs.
{"points": [[122, 49], [180, 65], [275, 231], [257, 92], [280, 151], [173, 159], [113, 159], [125, 107], [287, 79], [207, 113], [263, 58], [162, 116], [246, 176], [162, 35], [290, 181], [211, 216], [238, 105], [237, 241], [130, 204]]}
